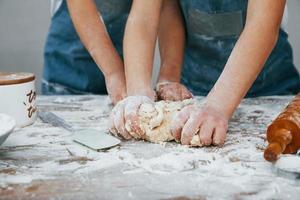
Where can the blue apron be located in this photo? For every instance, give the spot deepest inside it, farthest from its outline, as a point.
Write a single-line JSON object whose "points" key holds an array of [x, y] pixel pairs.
{"points": [[213, 27], [68, 67]]}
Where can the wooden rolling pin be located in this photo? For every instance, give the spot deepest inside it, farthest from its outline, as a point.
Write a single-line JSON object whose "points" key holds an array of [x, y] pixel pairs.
{"points": [[283, 134]]}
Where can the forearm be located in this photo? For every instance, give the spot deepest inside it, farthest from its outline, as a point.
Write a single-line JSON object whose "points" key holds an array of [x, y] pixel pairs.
{"points": [[92, 32], [247, 59], [171, 37], [139, 44], [241, 70]]}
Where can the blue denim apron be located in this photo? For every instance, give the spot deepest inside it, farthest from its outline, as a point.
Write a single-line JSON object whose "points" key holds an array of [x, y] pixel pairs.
{"points": [[68, 67], [213, 27]]}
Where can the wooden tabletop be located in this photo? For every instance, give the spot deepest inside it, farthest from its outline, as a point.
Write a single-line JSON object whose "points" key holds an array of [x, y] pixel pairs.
{"points": [[42, 162]]}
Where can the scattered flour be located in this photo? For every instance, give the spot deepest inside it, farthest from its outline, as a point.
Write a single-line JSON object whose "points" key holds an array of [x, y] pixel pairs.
{"points": [[289, 163], [236, 171]]}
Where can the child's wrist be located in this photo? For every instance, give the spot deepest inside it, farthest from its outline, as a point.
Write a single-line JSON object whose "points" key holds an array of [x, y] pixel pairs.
{"points": [[149, 92], [114, 72], [162, 80], [220, 106]]}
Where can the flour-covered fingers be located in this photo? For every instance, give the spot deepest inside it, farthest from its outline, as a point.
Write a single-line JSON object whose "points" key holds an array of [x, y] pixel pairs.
{"points": [[185, 93], [112, 117], [173, 91], [179, 121], [171, 94], [191, 127], [115, 120], [206, 132], [111, 125], [220, 134], [168, 92], [131, 116], [119, 122]]}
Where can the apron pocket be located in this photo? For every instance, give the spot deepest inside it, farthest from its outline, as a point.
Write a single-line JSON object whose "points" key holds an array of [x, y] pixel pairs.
{"points": [[215, 24], [113, 7]]}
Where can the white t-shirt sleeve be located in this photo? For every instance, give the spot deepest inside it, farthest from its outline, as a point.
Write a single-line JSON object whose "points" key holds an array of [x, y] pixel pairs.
{"points": [[285, 18], [55, 4]]}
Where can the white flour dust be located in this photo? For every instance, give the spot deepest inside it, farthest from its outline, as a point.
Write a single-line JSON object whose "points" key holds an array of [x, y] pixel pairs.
{"points": [[42, 152], [290, 163]]}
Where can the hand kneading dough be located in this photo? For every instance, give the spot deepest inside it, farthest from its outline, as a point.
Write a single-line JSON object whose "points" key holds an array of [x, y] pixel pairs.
{"points": [[156, 121]]}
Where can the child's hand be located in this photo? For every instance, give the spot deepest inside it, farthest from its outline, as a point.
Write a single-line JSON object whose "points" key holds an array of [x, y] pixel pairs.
{"points": [[126, 113], [116, 87], [172, 91], [204, 120]]}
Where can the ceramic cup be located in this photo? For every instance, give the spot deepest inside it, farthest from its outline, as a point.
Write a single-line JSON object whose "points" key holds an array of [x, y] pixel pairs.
{"points": [[18, 97]]}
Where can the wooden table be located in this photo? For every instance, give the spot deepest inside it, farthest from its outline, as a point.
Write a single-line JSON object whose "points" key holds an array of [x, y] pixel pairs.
{"points": [[42, 161]]}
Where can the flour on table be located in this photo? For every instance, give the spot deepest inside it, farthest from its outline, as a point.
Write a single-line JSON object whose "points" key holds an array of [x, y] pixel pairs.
{"points": [[156, 120], [290, 163]]}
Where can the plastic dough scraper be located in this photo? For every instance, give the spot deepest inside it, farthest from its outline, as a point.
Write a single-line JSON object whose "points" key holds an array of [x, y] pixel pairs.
{"points": [[93, 139]]}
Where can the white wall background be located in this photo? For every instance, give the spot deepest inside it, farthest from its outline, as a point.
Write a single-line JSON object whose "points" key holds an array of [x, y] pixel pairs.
{"points": [[24, 25]]}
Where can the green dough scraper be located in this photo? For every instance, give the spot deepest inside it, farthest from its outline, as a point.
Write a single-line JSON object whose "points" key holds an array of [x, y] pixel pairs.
{"points": [[91, 138]]}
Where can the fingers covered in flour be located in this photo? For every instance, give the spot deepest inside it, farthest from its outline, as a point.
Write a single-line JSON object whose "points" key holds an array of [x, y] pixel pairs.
{"points": [[172, 91], [191, 127], [206, 132], [117, 122], [220, 133], [111, 125], [131, 113], [213, 128], [179, 121], [204, 121]]}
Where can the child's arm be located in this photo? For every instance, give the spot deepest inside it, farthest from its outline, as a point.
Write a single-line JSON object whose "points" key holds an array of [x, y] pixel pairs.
{"points": [[171, 37], [92, 32], [139, 44], [245, 63], [249, 54]]}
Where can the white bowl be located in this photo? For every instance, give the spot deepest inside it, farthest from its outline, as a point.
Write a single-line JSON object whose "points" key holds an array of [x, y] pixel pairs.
{"points": [[7, 125], [18, 97]]}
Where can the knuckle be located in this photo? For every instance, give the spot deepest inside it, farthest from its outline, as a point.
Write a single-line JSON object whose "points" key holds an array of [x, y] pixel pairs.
{"points": [[186, 95], [211, 119], [218, 122], [203, 115], [222, 124], [169, 93]]}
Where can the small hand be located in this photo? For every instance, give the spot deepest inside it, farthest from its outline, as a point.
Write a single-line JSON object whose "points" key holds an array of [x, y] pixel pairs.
{"points": [[116, 87], [126, 113], [206, 121], [172, 91]]}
